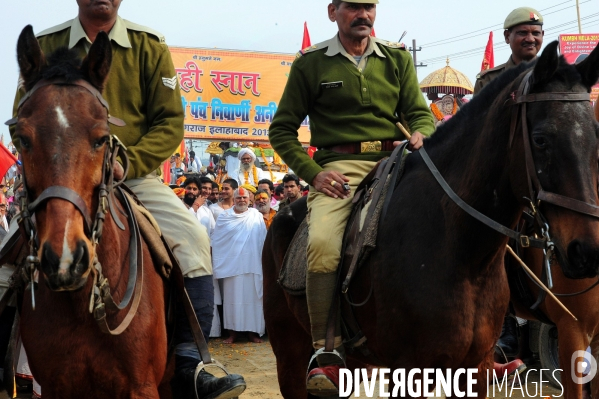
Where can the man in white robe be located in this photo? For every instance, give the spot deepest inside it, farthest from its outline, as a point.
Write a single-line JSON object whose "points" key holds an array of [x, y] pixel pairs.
{"points": [[247, 173], [237, 243]]}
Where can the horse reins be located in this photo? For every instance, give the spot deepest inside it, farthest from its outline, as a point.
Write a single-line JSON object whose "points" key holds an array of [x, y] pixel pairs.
{"points": [[537, 195]]}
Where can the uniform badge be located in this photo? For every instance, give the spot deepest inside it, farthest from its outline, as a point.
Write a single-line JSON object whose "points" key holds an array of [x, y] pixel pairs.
{"points": [[170, 83], [332, 85]]}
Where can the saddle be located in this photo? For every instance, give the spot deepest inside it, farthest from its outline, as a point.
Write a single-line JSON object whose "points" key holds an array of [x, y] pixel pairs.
{"points": [[369, 204]]}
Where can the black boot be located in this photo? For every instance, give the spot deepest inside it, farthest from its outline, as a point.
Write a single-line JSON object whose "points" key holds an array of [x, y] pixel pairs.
{"points": [[508, 340], [208, 386]]}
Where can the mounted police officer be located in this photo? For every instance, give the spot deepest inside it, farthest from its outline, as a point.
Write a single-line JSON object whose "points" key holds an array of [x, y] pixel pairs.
{"points": [[354, 88], [142, 90], [524, 33]]}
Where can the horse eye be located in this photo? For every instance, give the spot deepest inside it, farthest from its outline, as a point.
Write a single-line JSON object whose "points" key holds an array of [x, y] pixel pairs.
{"points": [[100, 142], [539, 141], [25, 143]]}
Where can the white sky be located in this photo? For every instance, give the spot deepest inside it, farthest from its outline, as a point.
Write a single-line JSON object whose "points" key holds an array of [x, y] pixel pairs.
{"points": [[277, 26]]}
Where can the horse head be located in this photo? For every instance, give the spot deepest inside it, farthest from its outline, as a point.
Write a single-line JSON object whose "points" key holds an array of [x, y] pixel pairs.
{"points": [[563, 143], [62, 128]]}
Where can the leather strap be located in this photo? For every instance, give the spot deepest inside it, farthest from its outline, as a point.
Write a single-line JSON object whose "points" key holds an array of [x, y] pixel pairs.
{"points": [[536, 243], [569, 203], [66, 194], [556, 96]]}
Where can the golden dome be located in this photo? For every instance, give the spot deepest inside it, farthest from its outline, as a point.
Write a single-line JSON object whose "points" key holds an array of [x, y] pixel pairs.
{"points": [[448, 81]]}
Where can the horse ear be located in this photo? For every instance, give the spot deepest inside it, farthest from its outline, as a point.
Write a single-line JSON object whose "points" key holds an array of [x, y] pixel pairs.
{"points": [[589, 68], [30, 57], [546, 65], [97, 63]]}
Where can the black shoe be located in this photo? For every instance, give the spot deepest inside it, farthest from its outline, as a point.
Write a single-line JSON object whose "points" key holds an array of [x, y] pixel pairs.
{"points": [[227, 387], [508, 340]]}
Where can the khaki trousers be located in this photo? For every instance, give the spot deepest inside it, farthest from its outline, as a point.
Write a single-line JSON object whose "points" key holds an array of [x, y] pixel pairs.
{"points": [[187, 238], [328, 217]]}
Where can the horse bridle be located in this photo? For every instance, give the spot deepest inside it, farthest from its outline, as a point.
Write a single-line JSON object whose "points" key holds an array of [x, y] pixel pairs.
{"points": [[520, 99], [115, 150]]}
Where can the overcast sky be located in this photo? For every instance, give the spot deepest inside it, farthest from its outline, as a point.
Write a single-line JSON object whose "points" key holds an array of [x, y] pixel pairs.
{"points": [[458, 29]]}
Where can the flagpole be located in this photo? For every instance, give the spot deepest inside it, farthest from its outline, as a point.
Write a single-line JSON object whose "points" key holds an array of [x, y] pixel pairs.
{"points": [[578, 13]]}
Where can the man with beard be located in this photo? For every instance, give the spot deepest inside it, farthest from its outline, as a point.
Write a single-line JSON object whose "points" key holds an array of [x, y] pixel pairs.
{"points": [[268, 185], [196, 201], [237, 258], [524, 33], [248, 173], [142, 90], [226, 198], [262, 204], [213, 197], [292, 190]]}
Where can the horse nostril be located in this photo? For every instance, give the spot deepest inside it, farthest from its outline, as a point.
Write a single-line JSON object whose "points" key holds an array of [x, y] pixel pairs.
{"points": [[80, 258], [49, 258], [583, 257]]}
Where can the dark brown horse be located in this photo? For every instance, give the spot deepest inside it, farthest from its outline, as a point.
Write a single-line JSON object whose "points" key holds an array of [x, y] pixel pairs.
{"points": [[437, 274], [573, 335], [64, 135]]}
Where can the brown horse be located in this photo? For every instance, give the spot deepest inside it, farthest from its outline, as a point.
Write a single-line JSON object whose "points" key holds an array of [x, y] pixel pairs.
{"points": [[439, 288], [64, 135], [573, 335]]}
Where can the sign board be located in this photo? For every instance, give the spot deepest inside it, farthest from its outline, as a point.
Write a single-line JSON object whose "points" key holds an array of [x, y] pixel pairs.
{"points": [[576, 47], [231, 95]]}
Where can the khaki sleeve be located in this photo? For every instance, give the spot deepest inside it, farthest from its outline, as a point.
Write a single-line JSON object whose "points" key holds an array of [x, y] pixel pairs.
{"points": [[164, 116]]}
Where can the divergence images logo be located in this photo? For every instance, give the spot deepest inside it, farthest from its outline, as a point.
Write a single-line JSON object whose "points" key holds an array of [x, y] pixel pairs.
{"points": [[583, 362]]}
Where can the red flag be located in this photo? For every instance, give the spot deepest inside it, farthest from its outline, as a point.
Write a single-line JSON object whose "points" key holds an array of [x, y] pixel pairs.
{"points": [[306, 40], [6, 160], [489, 58], [372, 32], [166, 171]]}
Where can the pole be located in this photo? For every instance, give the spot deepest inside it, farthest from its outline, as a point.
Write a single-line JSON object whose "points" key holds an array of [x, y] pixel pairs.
{"points": [[413, 50], [578, 13]]}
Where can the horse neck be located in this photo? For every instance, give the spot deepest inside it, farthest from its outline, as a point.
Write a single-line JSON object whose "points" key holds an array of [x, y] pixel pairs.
{"points": [[476, 163]]}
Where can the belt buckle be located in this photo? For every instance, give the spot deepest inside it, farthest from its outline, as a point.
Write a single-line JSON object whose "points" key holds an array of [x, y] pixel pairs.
{"points": [[371, 146]]}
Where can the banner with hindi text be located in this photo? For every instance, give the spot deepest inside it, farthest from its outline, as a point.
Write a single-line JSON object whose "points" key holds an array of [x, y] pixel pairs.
{"points": [[231, 95], [576, 47]]}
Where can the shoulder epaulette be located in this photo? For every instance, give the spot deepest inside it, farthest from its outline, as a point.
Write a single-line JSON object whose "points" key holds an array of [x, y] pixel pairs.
{"points": [[318, 46], [486, 71], [55, 29], [389, 44], [141, 28]]}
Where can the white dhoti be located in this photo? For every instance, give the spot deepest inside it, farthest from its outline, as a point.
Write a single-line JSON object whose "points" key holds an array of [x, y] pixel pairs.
{"points": [[242, 303], [215, 331]]}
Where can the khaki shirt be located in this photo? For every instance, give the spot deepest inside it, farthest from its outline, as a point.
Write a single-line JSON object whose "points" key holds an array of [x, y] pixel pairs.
{"points": [[142, 89], [486, 76]]}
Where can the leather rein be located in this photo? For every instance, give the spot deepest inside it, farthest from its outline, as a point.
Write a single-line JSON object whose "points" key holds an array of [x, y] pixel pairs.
{"points": [[536, 193], [100, 297]]}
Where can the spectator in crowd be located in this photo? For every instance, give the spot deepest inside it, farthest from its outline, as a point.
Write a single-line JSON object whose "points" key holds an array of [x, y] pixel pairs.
{"points": [[291, 185], [206, 189], [194, 163], [3, 219], [279, 193], [262, 199], [247, 173], [267, 185], [236, 254], [213, 197], [251, 192], [226, 198], [196, 201]]}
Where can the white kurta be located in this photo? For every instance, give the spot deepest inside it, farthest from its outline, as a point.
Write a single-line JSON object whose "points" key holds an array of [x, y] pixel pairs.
{"points": [[237, 243], [240, 177]]}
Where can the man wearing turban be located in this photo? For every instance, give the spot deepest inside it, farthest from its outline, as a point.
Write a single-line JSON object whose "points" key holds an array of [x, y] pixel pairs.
{"points": [[247, 173]]}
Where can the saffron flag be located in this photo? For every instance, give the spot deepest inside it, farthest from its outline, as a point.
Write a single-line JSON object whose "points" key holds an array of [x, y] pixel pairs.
{"points": [[489, 58], [306, 40], [372, 32], [6, 160]]}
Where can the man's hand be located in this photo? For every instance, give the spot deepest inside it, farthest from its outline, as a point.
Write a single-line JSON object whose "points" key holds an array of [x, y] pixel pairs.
{"points": [[322, 182], [198, 203], [118, 171], [416, 141]]}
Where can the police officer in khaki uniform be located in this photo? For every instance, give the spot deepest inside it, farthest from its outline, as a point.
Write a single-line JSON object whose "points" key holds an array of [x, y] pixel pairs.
{"points": [[142, 90], [524, 33], [353, 87]]}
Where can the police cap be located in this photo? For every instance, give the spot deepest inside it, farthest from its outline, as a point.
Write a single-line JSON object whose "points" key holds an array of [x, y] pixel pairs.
{"points": [[523, 15]]}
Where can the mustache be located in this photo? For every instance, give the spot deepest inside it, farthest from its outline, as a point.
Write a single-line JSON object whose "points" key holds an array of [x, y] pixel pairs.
{"points": [[361, 21]]}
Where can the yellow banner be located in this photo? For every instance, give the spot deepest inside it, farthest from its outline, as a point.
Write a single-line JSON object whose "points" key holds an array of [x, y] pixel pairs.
{"points": [[231, 95]]}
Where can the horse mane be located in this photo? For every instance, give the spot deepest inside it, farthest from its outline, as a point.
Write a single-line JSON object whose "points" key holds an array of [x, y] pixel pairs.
{"points": [[63, 63]]}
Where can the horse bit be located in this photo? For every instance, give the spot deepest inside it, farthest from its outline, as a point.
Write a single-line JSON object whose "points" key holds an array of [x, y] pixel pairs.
{"points": [[100, 296]]}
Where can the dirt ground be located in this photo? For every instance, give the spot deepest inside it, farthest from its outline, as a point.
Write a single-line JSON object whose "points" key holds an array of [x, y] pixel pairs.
{"points": [[257, 364]]}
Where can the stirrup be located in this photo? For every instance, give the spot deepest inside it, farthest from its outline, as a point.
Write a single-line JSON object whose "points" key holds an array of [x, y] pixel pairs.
{"points": [[322, 351], [201, 366]]}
